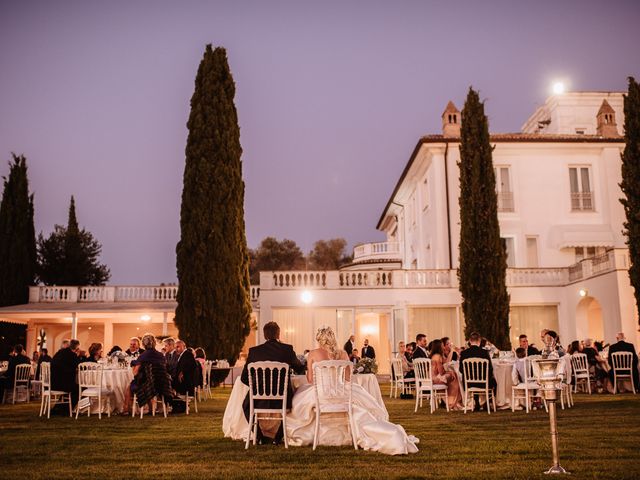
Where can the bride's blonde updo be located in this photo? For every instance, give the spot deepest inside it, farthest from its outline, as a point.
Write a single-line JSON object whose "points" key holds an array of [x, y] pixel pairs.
{"points": [[327, 340]]}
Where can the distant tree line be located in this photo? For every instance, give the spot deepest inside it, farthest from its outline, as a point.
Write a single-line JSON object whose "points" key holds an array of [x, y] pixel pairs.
{"points": [[273, 254]]}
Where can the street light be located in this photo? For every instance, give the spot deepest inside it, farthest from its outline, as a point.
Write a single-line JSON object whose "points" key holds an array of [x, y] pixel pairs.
{"points": [[306, 297]]}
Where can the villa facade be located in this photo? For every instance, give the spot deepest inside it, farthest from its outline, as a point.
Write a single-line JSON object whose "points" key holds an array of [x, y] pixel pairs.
{"points": [[557, 184]]}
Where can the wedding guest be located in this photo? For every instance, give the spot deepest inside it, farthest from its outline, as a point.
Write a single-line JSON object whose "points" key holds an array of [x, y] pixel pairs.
{"points": [[517, 371], [35, 357], [474, 351], [444, 377], [63, 370], [113, 350], [95, 353], [574, 347], [201, 357], [408, 353], [19, 358], [449, 352], [401, 349], [421, 347], [44, 357], [170, 355], [65, 344], [134, 347], [407, 361], [350, 344], [622, 345], [184, 380], [529, 349], [354, 357], [367, 350], [556, 339]]}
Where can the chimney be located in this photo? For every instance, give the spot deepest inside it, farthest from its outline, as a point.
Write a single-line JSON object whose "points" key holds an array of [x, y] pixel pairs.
{"points": [[451, 118], [606, 118]]}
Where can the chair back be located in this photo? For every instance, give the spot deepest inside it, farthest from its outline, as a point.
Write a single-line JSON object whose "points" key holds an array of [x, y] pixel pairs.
{"points": [[330, 380], [90, 375], [422, 369], [23, 373], [476, 370], [579, 363], [207, 373], [396, 368], [622, 361], [45, 375], [268, 380]]}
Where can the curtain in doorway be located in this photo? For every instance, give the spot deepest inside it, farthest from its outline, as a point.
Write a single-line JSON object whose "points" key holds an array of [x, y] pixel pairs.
{"points": [[529, 320]]}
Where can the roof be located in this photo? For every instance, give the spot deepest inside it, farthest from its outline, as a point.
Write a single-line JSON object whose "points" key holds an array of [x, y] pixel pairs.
{"points": [[516, 137], [605, 108], [88, 307], [450, 108]]}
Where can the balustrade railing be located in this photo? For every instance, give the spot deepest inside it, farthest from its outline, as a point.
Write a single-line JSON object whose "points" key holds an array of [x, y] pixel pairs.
{"points": [[387, 250]]}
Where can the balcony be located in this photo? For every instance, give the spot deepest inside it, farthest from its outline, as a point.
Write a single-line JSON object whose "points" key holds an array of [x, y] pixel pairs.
{"points": [[377, 251], [505, 202], [582, 201]]}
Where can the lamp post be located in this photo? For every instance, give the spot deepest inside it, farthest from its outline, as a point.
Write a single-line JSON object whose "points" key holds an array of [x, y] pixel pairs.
{"points": [[549, 379]]}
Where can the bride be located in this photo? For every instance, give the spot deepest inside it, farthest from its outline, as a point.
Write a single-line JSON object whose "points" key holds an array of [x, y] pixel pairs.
{"points": [[373, 429]]}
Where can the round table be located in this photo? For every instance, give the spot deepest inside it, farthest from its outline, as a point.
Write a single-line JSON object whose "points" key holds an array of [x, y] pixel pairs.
{"points": [[117, 380]]}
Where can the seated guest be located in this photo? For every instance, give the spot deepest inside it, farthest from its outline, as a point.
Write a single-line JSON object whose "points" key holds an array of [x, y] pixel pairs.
{"points": [[407, 361], [367, 350], [170, 355], [63, 370], [201, 357], [421, 347], [622, 345], [529, 349], [408, 353], [19, 358], [44, 357], [95, 352], [574, 347], [401, 349], [184, 379], [134, 347], [65, 344], [474, 351], [355, 356], [556, 339], [444, 377], [517, 371], [35, 357], [449, 352], [150, 376], [113, 350]]}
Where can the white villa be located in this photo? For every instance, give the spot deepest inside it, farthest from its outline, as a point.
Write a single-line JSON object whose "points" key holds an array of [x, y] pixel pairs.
{"points": [[560, 217]]}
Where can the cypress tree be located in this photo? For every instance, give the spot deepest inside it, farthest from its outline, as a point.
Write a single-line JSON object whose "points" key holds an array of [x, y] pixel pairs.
{"points": [[631, 181], [483, 257], [212, 258], [17, 236]]}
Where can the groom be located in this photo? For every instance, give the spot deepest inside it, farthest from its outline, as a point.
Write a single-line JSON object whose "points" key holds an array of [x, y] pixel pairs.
{"points": [[274, 351]]}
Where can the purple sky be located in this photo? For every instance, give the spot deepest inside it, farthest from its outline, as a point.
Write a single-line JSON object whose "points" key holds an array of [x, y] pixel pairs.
{"points": [[331, 96]]}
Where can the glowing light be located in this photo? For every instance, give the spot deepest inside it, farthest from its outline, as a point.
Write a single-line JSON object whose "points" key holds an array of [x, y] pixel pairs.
{"points": [[368, 330], [558, 88], [145, 318], [88, 328], [583, 292], [306, 297]]}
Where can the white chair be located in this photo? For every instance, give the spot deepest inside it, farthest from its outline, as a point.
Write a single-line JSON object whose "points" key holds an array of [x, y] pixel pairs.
{"points": [[426, 387], [528, 389], [622, 363], [206, 385], [476, 371], [154, 406], [267, 381], [333, 394], [21, 379], [49, 395], [186, 397], [90, 386], [565, 372], [580, 368], [398, 381]]}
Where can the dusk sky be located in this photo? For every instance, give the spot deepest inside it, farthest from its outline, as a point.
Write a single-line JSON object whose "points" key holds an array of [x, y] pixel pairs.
{"points": [[331, 97]]}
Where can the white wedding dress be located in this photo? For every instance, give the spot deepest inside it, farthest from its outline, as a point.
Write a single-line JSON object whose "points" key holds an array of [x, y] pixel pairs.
{"points": [[373, 429]]}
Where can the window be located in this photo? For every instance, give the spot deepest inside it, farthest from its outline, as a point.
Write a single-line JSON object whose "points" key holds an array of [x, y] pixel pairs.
{"points": [[581, 193], [588, 252], [532, 252], [508, 244], [503, 189], [579, 131]]}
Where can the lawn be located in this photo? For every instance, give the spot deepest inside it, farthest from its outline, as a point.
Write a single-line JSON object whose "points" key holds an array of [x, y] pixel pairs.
{"points": [[599, 438]]}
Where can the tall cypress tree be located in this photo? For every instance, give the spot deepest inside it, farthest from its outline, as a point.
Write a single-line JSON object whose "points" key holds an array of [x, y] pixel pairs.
{"points": [[631, 181], [17, 236], [214, 305], [483, 258]]}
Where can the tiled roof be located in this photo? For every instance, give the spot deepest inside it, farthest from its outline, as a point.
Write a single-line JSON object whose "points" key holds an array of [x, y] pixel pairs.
{"points": [[605, 108], [450, 108], [530, 137]]}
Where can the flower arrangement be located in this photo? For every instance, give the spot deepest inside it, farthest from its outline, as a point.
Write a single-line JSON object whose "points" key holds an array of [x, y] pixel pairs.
{"points": [[118, 356], [366, 365]]}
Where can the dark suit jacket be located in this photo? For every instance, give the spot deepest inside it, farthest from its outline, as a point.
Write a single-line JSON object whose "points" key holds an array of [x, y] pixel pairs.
{"points": [[623, 346], [63, 371], [474, 351], [348, 347], [368, 352], [188, 366], [419, 353], [531, 350], [13, 363], [172, 362], [270, 351]]}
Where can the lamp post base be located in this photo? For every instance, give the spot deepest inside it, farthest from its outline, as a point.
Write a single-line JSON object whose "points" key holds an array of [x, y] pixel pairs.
{"points": [[557, 469]]}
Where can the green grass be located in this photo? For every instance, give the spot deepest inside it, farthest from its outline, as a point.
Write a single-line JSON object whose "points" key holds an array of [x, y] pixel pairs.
{"points": [[599, 438]]}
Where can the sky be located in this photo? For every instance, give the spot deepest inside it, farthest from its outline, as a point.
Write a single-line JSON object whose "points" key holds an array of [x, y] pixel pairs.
{"points": [[332, 97]]}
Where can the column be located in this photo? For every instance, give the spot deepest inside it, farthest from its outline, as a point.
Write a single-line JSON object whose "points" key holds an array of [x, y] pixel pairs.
{"points": [[108, 335], [165, 327], [31, 344], [74, 325]]}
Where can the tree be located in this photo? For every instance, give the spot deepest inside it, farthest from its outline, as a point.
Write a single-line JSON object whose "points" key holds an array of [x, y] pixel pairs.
{"points": [[212, 260], [70, 255], [17, 236], [631, 181], [274, 255], [483, 257], [329, 254]]}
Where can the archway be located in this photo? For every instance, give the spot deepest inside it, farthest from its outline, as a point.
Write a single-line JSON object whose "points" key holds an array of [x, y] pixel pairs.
{"points": [[589, 322]]}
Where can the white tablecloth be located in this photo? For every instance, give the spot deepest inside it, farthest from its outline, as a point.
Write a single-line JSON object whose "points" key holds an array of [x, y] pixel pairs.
{"points": [[117, 380], [368, 381]]}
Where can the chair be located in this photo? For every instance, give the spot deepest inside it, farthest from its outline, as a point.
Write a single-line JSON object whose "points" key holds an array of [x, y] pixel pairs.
{"points": [[21, 379], [90, 386], [622, 363], [267, 381], [528, 389], [154, 405], [333, 394], [426, 387], [48, 395], [476, 371], [206, 383], [187, 397], [565, 372], [580, 368], [398, 380]]}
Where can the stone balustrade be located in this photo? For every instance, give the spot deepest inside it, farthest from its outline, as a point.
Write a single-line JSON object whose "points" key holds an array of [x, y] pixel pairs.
{"points": [[377, 250]]}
